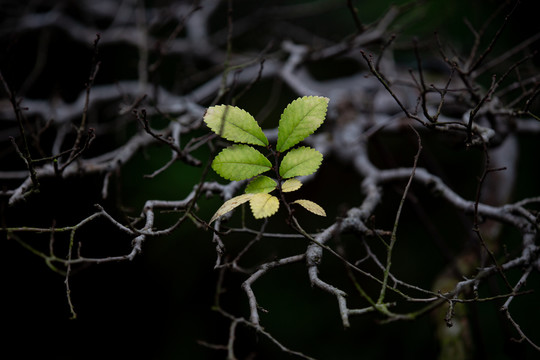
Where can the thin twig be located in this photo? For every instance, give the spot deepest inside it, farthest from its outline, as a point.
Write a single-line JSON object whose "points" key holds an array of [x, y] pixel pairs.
{"points": [[393, 237]]}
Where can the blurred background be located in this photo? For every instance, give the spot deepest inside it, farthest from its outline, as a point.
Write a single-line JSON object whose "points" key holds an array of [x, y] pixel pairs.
{"points": [[159, 306]]}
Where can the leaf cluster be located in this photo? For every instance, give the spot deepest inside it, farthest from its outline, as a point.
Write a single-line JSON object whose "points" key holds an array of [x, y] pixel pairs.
{"points": [[241, 161]]}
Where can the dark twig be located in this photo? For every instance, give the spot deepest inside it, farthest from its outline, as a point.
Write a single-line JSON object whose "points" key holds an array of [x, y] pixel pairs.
{"points": [[381, 79], [393, 237], [497, 35], [82, 126], [25, 153], [354, 12], [476, 222]]}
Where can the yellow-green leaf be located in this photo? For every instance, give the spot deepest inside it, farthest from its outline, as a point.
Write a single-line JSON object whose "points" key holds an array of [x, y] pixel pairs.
{"points": [[239, 162], [261, 184], [311, 206], [234, 124], [300, 119], [230, 205], [291, 185], [263, 205], [299, 162]]}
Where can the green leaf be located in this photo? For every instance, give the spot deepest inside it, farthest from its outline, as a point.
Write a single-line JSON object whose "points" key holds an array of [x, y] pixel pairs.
{"points": [[230, 205], [263, 205], [291, 185], [234, 124], [299, 162], [239, 162], [300, 119], [311, 206], [261, 184]]}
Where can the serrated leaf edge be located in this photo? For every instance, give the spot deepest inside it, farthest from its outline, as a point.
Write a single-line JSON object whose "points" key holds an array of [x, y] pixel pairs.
{"points": [[230, 205], [310, 206], [233, 139], [241, 146], [310, 133], [259, 177], [292, 152], [268, 198], [291, 185]]}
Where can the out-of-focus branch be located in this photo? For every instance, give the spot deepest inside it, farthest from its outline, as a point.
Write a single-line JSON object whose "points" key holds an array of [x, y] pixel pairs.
{"points": [[380, 99]]}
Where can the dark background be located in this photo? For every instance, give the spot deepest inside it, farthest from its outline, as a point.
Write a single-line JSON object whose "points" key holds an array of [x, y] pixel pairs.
{"points": [[159, 305]]}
